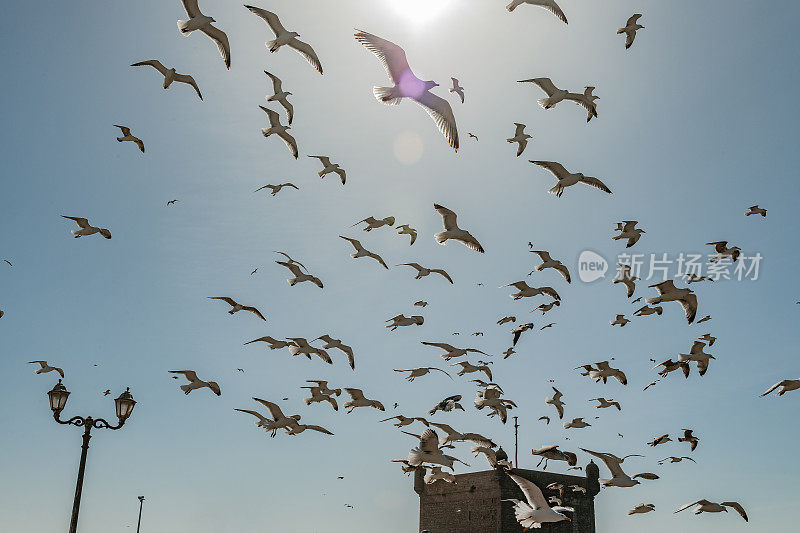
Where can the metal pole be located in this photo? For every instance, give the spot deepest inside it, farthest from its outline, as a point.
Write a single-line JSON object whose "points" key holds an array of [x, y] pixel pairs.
{"points": [[76, 504], [516, 443], [141, 501]]}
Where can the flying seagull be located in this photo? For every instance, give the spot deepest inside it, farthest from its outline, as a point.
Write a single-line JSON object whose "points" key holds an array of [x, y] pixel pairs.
{"points": [[549, 262], [284, 37], [44, 368], [567, 179], [556, 402], [452, 231], [357, 399], [196, 383], [405, 229], [630, 29], [277, 188], [535, 510], [626, 279], [199, 21], [422, 271], [628, 230], [520, 137], [642, 508], [705, 506], [402, 321], [783, 387], [128, 136], [279, 95], [407, 85], [171, 202], [236, 307], [458, 89], [667, 292], [86, 228], [330, 167], [363, 252], [331, 343], [299, 275], [721, 247], [276, 128], [755, 210], [169, 74], [375, 223], [585, 100], [612, 462], [419, 372]]}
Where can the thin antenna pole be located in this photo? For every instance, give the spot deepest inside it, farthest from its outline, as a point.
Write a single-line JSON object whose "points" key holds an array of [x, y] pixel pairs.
{"points": [[516, 443]]}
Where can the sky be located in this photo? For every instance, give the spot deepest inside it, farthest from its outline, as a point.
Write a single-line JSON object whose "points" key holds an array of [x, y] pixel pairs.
{"points": [[693, 128]]}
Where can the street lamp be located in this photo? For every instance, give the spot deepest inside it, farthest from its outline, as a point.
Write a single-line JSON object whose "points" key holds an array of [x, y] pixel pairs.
{"points": [[139, 523], [124, 405]]}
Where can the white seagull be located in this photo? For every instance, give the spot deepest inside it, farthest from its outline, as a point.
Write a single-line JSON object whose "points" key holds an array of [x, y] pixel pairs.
{"points": [[626, 278], [535, 511], [705, 506], [279, 95], [363, 252], [452, 231], [419, 372], [784, 386], [458, 89], [199, 21], [276, 128], [331, 343], [329, 167], [169, 74], [277, 188], [299, 275], [422, 271], [667, 292], [520, 137], [556, 402], [554, 94], [44, 368], [236, 307], [549, 5], [357, 399], [284, 37], [86, 228], [567, 179], [549, 262], [630, 29], [128, 136], [612, 462], [407, 85], [195, 382]]}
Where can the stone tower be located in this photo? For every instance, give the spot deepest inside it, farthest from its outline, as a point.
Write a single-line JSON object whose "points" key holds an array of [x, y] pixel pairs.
{"points": [[473, 504]]}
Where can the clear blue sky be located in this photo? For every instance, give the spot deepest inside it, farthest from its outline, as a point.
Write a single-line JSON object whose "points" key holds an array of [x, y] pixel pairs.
{"points": [[695, 125]]}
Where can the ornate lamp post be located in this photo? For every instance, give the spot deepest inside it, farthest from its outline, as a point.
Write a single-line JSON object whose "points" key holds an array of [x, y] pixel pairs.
{"points": [[58, 399]]}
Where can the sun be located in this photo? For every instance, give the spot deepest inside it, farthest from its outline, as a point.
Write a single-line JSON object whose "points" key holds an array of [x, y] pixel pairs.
{"points": [[420, 11]]}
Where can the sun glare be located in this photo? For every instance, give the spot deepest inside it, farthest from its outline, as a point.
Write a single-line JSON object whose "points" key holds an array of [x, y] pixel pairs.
{"points": [[420, 11]]}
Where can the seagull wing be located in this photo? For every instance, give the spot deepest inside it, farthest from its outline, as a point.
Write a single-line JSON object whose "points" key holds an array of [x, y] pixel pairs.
{"points": [[293, 268], [391, 56], [82, 222], [269, 17], [416, 266], [553, 8], [429, 441], [290, 142], [738, 507], [273, 116], [319, 428], [531, 491], [596, 183], [185, 78], [545, 84], [219, 37], [324, 159], [126, 131], [355, 242], [448, 217], [664, 287], [276, 82], [254, 311], [274, 409], [155, 63], [442, 114], [443, 274], [634, 19], [225, 299], [188, 374], [355, 394], [307, 52], [689, 304], [698, 502], [191, 8], [557, 169]]}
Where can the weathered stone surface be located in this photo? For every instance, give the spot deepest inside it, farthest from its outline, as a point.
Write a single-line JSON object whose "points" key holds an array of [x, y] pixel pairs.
{"points": [[474, 503]]}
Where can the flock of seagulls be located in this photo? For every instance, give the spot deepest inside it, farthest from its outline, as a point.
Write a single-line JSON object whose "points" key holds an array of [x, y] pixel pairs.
{"points": [[428, 453]]}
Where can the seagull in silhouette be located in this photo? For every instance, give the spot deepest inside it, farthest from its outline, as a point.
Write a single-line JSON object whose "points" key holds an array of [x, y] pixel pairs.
{"points": [[277, 188], [549, 262], [422, 271], [667, 292], [783, 387], [375, 223], [86, 228], [408, 85], [755, 210], [283, 37], [705, 506], [331, 343]]}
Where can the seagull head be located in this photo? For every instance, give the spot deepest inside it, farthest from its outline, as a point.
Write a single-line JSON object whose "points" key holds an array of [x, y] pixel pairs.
{"points": [[430, 85]]}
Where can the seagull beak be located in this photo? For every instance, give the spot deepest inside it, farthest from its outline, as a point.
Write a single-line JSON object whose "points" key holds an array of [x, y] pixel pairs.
{"points": [[568, 519]]}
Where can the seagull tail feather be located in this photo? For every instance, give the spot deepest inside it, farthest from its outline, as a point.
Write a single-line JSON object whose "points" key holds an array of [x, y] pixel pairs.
{"points": [[441, 237], [545, 103], [182, 25], [186, 388], [511, 6], [386, 95]]}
